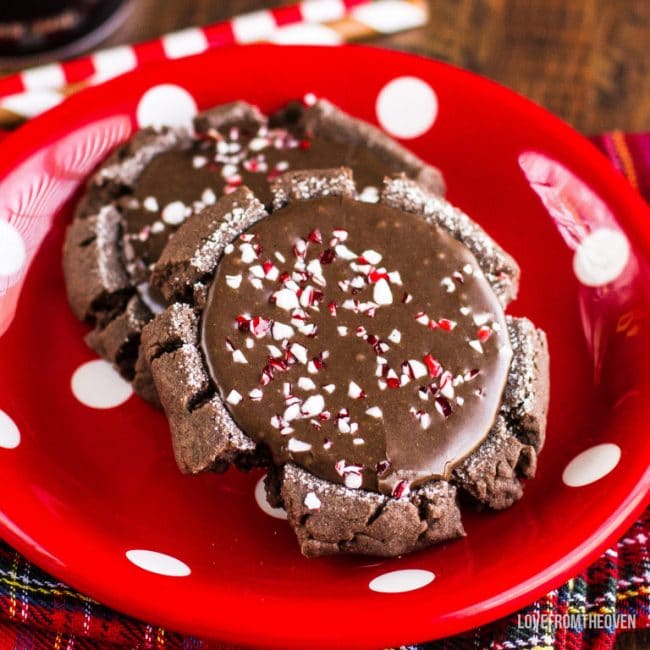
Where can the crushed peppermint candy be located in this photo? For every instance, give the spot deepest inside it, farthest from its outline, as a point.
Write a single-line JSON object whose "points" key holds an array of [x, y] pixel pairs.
{"points": [[298, 446], [311, 501], [151, 204], [234, 397], [175, 213], [345, 346]]}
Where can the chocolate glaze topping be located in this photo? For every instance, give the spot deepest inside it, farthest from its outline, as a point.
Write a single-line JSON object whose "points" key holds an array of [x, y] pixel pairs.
{"points": [[179, 183], [358, 341]]}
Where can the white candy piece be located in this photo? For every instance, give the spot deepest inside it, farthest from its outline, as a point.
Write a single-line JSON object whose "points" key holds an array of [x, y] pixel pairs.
{"points": [[354, 390], [312, 502], [309, 329], [292, 412], [369, 194], [371, 256], [175, 213], [344, 252], [382, 294], [353, 480], [418, 368], [234, 281], [305, 383], [280, 331], [314, 267], [342, 330], [257, 144], [228, 171], [312, 406], [375, 412], [286, 299], [448, 284], [306, 297], [234, 397], [395, 336], [298, 446], [238, 357], [150, 204], [448, 390], [481, 319], [474, 343], [273, 273], [299, 351], [248, 254]]}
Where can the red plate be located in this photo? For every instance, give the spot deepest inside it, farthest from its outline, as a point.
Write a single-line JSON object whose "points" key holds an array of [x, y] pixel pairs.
{"points": [[85, 487]]}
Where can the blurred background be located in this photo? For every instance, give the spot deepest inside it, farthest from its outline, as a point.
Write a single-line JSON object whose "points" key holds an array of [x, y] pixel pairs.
{"points": [[585, 60]]}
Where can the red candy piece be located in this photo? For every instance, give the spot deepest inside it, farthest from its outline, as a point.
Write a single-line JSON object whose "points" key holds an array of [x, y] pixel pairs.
{"points": [[374, 276], [402, 488], [432, 365], [327, 256], [484, 333], [446, 324], [243, 323], [315, 236]]}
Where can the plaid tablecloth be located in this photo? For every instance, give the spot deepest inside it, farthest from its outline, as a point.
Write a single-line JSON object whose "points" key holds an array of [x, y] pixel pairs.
{"points": [[37, 611]]}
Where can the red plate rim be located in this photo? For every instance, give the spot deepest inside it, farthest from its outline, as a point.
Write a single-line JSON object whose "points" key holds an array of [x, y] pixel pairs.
{"points": [[629, 209]]}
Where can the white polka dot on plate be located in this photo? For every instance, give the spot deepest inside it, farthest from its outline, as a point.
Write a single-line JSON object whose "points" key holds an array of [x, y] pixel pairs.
{"points": [[98, 385], [12, 250], [166, 105], [407, 107], [601, 257], [397, 582], [9, 432], [591, 465], [265, 506], [160, 563]]}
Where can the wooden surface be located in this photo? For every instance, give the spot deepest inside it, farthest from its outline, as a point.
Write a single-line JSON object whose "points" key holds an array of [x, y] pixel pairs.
{"points": [[585, 60]]}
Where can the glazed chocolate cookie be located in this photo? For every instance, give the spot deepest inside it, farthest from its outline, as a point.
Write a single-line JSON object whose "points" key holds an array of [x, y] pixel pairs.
{"points": [[159, 179], [359, 349]]}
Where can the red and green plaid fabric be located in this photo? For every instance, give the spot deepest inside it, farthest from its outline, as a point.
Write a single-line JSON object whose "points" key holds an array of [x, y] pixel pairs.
{"points": [[38, 612]]}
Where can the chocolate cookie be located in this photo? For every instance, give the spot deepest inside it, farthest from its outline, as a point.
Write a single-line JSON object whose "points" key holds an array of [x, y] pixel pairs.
{"points": [[159, 179], [359, 349]]}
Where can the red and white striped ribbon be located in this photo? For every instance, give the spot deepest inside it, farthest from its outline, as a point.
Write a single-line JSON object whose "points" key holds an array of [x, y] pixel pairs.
{"points": [[309, 21]]}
